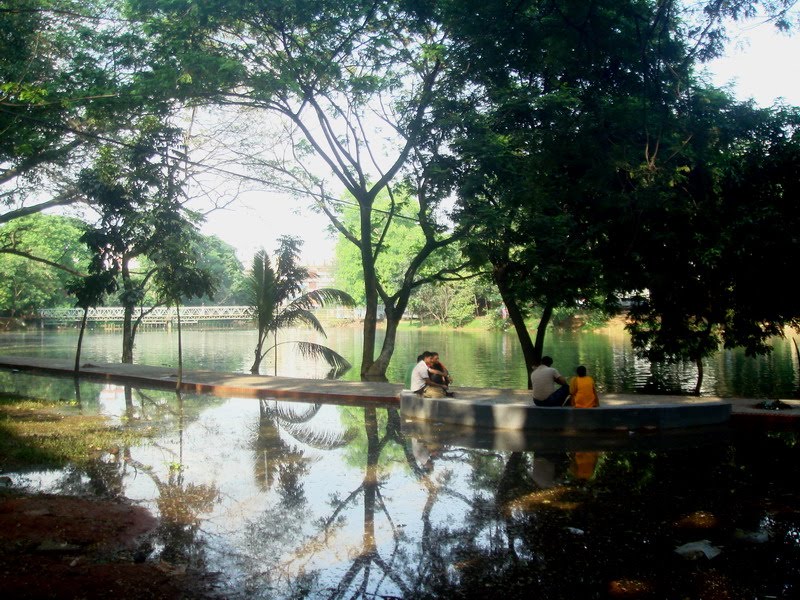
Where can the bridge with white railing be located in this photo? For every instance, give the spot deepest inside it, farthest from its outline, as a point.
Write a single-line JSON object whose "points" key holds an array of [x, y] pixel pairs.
{"points": [[158, 315], [165, 315]]}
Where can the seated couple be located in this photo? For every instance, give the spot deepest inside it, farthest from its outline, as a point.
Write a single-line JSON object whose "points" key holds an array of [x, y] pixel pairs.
{"points": [[430, 378], [580, 392]]}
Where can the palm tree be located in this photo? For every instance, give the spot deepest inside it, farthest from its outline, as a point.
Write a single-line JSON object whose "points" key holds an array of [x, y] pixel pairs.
{"points": [[277, 301]]}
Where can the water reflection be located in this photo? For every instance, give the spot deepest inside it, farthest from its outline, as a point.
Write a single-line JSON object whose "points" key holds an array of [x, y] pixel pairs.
{"points": [[291, 500]]}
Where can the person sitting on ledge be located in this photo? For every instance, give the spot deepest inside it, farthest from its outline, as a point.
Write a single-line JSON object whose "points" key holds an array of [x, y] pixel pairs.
{"points": [[542, 379], [439, 374], [421, 382], [583, 390]]}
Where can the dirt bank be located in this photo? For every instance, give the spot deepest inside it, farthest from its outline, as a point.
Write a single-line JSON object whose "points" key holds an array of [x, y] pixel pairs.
{"points": [[68, 547]]}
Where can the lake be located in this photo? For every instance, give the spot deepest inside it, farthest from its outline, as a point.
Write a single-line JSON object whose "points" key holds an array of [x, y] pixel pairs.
{"points": [[475, 358], [286, 500]]}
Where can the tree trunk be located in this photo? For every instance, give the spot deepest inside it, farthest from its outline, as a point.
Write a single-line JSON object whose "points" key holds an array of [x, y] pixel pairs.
{"points": [[699, 384], [80, 340], [127, 335], [377, 372], [180, 350], [394, 310], [258, 357], [541, 331], [517, 319], [370, 294]]}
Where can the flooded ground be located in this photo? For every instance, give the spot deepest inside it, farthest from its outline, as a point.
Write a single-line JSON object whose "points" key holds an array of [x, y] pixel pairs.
{"points": [[296, 500]]}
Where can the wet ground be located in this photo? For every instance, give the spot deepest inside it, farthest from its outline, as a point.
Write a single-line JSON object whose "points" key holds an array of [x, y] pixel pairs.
{"points": [[71, 547]]}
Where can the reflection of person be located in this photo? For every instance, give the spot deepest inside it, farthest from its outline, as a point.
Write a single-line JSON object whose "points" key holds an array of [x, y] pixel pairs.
{"points": [[421, 382], [542, 379], [549, 468], [422, 454], [544, 472], [583, 391], [439, 373], [583, 464]]}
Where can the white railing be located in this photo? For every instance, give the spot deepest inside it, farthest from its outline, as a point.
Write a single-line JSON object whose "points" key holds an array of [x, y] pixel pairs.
{"points": [[161, 315], [157, 315]]}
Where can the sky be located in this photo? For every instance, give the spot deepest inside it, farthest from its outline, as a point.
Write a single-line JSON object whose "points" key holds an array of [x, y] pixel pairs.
{"points": [[759, 65]]}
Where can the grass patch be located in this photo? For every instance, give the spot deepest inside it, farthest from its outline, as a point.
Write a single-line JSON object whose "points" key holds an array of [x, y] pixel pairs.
{"points": [[477, 324], [33, 433]]}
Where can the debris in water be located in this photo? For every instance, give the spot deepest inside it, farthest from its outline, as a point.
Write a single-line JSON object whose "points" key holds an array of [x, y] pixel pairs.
{"points": [[695, 550]]}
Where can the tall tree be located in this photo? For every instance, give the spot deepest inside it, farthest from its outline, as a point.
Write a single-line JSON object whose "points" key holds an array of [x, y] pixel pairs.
{"points": [[345, 77], [179, 274], [560, 107], [726, 229], [138, 193], [579, 112]]}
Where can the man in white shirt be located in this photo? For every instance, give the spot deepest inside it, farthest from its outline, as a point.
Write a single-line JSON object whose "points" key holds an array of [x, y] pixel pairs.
{"points": [[421, 381], [542, 379]]}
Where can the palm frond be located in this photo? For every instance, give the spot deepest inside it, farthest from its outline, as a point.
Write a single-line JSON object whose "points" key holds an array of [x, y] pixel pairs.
{"points": [[323, 297], [294, 412], [330, 356], [298, 316], [321, 440], [262, 290]]}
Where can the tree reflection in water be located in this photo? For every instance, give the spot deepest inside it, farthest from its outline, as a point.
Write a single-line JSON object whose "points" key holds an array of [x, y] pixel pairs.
{"points": [[564, 523], [181, 505], [348, 502]]}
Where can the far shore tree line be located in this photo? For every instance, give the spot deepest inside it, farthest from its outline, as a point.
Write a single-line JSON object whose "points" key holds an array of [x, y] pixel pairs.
{"points": [[556, 155], [34, 284]]}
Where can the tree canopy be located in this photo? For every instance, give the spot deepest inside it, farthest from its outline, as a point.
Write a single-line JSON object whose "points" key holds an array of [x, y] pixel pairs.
{"points": [[29, 247], [587, 143], [587, 156]]}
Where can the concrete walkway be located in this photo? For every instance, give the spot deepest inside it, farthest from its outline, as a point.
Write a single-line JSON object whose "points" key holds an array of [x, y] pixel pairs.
{"points": [[358, 392]]}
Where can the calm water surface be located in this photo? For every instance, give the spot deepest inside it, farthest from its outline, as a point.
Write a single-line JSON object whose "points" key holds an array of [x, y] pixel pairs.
{"points": [[297, 500], [475, 358]]}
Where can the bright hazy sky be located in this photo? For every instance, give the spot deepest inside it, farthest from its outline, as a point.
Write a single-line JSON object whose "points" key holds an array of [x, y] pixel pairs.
{"points": [[760, 64]]}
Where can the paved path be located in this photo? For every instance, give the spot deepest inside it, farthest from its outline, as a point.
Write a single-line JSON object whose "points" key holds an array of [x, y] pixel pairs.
{"points": [[348, 392]]}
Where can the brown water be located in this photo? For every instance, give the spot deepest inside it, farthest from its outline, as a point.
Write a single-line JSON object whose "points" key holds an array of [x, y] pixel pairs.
{"points": [[296, 500]]}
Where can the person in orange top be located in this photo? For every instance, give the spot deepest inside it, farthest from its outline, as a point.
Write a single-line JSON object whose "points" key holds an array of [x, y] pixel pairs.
{"points": [[584, 394]]}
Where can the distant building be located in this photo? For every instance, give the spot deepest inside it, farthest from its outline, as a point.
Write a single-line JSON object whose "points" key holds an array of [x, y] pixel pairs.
{"points": [[319, 276]]}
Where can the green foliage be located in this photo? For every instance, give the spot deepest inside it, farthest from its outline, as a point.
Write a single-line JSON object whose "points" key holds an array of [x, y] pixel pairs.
{"points": [[27, 284], [219, 259], [451, 303], [71, 73], [724, 234], [590, 152], [138, 192], [399, 244], [327, 70]]}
